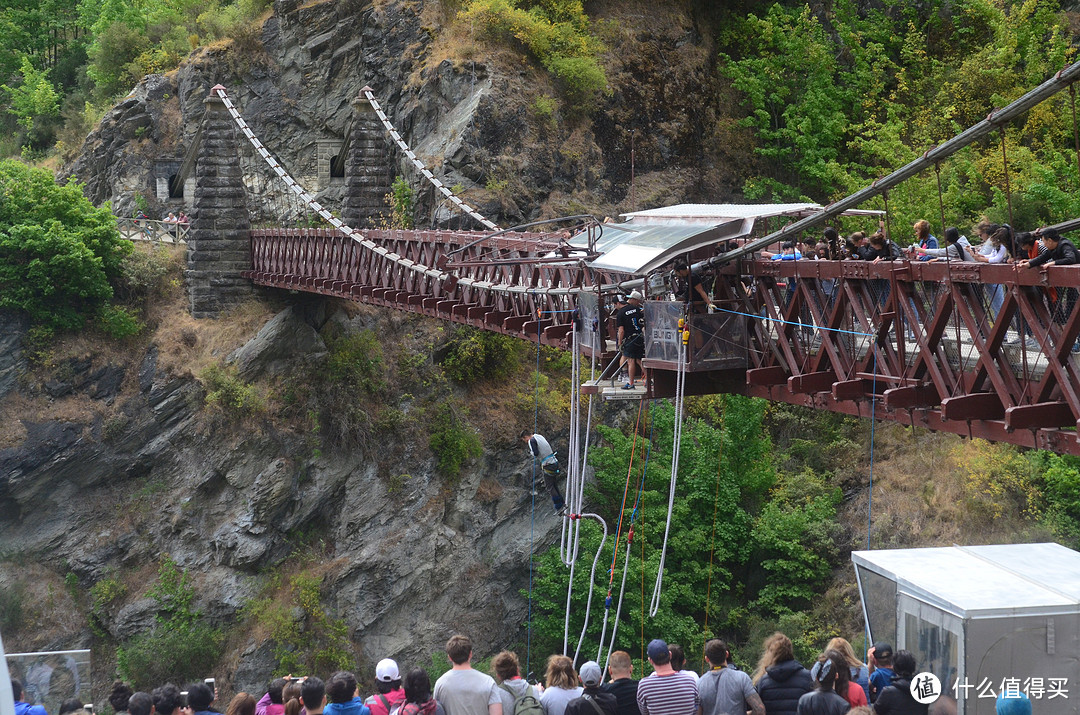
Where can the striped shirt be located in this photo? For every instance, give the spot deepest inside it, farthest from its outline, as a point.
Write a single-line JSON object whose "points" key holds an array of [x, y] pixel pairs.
{"points": [[670, 694]]}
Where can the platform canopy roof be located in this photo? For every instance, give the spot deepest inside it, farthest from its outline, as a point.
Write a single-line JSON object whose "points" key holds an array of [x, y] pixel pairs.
{"points": [[646, 240], [984, 581]]}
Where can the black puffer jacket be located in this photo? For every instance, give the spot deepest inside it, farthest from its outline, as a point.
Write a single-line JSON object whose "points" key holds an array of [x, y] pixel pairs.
{"points": [[823, 702], [897, 700], [782, 686]]}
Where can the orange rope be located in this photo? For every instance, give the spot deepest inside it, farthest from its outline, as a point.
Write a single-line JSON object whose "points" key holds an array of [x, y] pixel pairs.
{"points": [[712, 547]]}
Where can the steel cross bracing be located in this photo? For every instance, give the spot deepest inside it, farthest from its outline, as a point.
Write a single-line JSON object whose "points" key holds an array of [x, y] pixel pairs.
{"points": [[535, 302], [919, 339]]}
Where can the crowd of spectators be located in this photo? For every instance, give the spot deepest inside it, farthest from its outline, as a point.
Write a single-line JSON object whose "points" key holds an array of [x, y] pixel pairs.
{"points": [[837, 682]]}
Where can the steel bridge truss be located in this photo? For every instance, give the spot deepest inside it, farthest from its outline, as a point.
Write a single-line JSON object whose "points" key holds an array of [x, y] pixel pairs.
{"points": [[975, 349], [517, 284], [930, 344]]}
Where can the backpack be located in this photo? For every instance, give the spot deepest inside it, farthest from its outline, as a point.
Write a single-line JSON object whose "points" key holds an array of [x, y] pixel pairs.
{"points": [[525, 704]]}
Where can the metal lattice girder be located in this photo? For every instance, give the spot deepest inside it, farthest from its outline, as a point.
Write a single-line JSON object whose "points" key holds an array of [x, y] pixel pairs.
{"points": [[920, 343]]}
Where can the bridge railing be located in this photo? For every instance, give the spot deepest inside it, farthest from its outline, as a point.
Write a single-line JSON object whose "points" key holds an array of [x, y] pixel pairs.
{"points": [[512, 287], [985, 350], [144, 229]]}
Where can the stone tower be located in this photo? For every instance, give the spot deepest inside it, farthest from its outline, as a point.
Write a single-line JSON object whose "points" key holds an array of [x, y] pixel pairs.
{"points": [[218, 245], [367, 170]]}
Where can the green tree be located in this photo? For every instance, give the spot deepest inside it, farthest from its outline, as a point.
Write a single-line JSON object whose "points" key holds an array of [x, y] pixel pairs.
{"points": [[33, 98], [725, 470], [58, 254]]}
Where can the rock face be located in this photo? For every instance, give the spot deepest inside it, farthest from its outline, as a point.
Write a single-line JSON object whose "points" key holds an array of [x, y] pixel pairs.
{"points": [[12, 364], [474, 122], [413, 559]]}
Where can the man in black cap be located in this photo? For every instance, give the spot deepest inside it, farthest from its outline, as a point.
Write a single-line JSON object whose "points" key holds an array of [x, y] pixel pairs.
{"points": [[879, 660], [667, 692]]}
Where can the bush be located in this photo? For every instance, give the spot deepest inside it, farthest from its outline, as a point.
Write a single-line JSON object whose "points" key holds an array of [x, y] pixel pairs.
{"points": [[356, 362], [452, 441], [58, 253], [306, 638], [118, 322], [556, 32], [473, 354], [145, 273], [12, 607], [181, 647], [230, 393]]}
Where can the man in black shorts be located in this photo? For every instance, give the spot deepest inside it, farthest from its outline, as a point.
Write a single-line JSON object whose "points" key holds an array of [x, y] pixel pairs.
{"points": [[630, 322]]}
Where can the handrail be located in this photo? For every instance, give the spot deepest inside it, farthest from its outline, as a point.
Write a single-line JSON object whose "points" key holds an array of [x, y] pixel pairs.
{"points": [[144, 229]]}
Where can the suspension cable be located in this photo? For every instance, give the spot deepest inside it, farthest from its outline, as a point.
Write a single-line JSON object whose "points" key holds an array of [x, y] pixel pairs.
{"points": [[370, 96]]}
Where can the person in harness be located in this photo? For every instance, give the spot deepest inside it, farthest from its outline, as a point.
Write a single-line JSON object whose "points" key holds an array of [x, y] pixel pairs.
{"points": [[549, 467]]}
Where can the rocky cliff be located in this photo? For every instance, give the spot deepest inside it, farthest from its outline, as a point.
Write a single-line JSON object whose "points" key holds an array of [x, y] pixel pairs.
{"points": [[481, 115], [111, 460]]}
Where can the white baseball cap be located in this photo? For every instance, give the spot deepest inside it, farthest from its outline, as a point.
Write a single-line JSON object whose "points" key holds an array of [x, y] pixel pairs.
{"points": [[387, 671]]}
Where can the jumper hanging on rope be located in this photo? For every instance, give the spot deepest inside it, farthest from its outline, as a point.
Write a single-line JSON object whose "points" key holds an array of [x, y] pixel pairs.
{"points": [[540, 449]]}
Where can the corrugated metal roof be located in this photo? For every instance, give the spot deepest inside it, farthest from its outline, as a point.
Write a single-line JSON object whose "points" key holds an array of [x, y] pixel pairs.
{"points": [[649, 239], [974, 581], [637, 249], [711, 214]]}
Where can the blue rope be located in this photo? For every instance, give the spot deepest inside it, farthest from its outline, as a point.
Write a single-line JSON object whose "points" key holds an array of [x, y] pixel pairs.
{"points": [[789, 322]]}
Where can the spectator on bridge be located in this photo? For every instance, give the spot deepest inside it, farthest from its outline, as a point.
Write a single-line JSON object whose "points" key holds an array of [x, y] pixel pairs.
{"points": [[858, 246], [832, 240], [183, 219], [897, 699], [313, 695], [788, 252], [593, 700], [954, 250], [242, 704], [723, 690], [541, 449], [993, 250], [561, 685], [882, 249], [780, 679], [666, 692], [622, 684], [418, 700], [512, 686], [462, 690], [860, 674], [829, 696], [344, 696], [630, 324], [689, 289], [388, 684], [923, 238], [1059, 251]]}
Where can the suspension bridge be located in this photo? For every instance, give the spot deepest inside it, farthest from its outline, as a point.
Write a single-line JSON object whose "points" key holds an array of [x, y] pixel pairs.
{"points": [[910, 342]]}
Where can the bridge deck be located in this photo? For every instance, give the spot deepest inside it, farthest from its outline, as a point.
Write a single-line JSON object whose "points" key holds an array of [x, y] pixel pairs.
{"points": [[916, 343]]}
